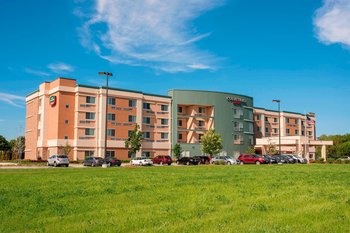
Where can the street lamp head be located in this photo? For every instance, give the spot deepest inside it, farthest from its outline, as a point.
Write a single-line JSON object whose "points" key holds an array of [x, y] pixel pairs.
{"points": [[277, 101], [105, 73]]}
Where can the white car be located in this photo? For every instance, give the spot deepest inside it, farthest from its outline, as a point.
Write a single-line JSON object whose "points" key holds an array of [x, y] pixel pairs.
{"points": [[227, 159], [58, 160], [141, 161]]}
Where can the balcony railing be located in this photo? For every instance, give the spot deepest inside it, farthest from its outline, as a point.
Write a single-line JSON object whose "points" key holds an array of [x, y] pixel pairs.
{"points": [[238, 129]]}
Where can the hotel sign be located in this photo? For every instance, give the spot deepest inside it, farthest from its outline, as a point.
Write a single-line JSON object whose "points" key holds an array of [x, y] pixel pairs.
{"points": [[53, 100], [235, 101]]}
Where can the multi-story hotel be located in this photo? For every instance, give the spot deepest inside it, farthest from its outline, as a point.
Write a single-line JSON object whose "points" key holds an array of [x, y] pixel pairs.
{"points": [[63, 112], [298, 132]]}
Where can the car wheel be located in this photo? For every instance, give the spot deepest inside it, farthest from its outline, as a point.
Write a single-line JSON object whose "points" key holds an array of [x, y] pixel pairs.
{"points": [[242, 163], [55, 164], [228, 163], [257, 162], [92, 165], [140, 164], [177, 162], [199, 163], [67, 165], [188, 163], [109, 164], [169, 164], [48, 164]]}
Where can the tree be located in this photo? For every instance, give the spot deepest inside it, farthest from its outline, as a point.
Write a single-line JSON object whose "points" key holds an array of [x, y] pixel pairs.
{"points": [[18, 147], [65, 150], [4, 144], [211, 143], [250, 150], [177, 150], [133, 143], [271, 148]]}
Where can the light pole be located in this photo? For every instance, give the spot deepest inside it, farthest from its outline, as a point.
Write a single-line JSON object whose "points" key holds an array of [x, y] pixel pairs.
{"points": [[279, 124], [107, 76]]}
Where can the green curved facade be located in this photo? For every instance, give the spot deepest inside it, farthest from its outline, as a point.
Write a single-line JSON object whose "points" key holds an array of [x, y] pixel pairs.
{"points": [[231, 116]]}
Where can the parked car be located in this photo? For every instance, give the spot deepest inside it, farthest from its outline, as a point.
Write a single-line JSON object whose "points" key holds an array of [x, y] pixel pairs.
{"points": [[203, 159], [111, 161], [284, 159], [345, 158], [302, 160], [188, 161], [141, 161], [93, 161], [225, 159], [58, 160], [162, 159], [290, 158], [269, 159], [251, 158]]}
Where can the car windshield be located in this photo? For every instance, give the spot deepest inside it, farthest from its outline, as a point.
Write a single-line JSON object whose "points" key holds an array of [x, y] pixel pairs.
{"points": [[62, 156]]}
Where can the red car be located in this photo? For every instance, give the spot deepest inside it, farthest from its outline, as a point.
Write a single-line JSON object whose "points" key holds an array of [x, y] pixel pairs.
{"points": [[252, 158], [162, 159]]}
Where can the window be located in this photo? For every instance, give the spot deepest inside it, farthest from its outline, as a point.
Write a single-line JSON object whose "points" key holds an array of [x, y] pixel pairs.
{"points": [[111, 101], [287, 119], [296, 132], [266, 130], [146, 120], [180, 136], [259, 129], [250, 127], [67, 105], [132, 103], [129, 133], [132, 118], [111, 132], [65, 137], [251, 140], [287, 131], [310, 133], [275, 130], [111, 116], [90, 115], [202, 123], [110, 153], [266, 119], [200, 137], [89, 153], [296, 121], [164, 121], [275, 119], [90, 99], [179, 109], [38, 132], [146, 134], [146, 106], [201, 110], [258, 117], [303, 133], [164, 108], [302, 123], [180, 122], [146, 154], [66, 121], [164, 135], [89, 132]]}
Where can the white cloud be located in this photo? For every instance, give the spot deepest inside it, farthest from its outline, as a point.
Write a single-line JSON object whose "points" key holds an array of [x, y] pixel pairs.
{"points": [[13, 100], [332, 22], [37, 72], [154, 33], [60, 67]]}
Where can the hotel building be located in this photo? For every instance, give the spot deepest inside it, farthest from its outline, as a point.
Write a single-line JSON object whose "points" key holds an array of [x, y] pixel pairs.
{"points": [[63, 112]]}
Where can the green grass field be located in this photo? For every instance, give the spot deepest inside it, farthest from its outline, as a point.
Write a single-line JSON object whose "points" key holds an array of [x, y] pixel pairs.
{"points": [[287, 198]]}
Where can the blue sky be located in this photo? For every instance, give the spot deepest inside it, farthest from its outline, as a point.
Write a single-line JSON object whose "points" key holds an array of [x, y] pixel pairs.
{"points": [[294, 50]]}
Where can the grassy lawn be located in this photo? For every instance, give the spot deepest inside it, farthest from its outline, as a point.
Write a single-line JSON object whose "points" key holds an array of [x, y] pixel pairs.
{"points": [[288, 198]]}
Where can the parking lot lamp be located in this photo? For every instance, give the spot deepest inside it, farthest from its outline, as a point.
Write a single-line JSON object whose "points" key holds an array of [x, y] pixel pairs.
{"points": [[107, 76], [279, 124]]}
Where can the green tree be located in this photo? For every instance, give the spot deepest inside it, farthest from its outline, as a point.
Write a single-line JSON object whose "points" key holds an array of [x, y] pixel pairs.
{"points": [[177, 150], [133, 143], [250, 150], [4, 144], [65, 150], [271, 148], [18, 146], [211, 143], [339, 148]]}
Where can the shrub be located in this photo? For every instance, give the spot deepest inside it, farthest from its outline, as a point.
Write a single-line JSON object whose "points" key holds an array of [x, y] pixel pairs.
{"points": [[219, 162]]}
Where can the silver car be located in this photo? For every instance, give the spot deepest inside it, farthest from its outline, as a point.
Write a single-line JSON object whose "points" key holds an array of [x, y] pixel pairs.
{"points": [[224, 159], [58, 160]]}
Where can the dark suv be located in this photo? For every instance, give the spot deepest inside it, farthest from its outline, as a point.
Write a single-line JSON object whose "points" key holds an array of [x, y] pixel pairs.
{"points": [[251, 158], [162, 159], [111, 161], [93, 161], [203, 159]]}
